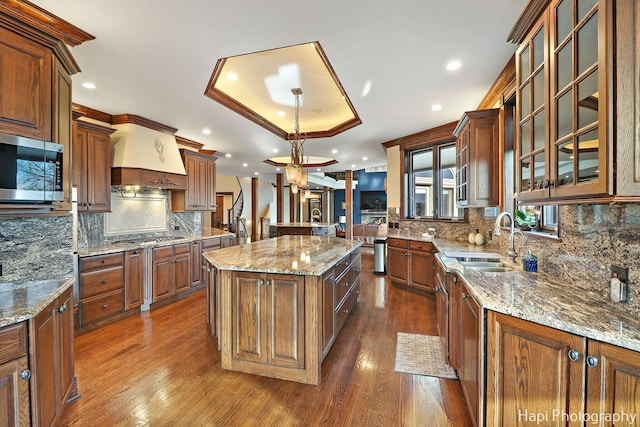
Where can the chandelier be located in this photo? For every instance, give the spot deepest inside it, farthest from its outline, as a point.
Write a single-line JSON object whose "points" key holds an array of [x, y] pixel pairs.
{"points": [[296, 176]]}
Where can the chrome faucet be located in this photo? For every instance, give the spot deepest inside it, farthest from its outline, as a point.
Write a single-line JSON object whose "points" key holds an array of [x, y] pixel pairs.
{"points": [[513, 254]]}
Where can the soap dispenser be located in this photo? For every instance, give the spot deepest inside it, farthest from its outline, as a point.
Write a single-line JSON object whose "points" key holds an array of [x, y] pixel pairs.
{"points": [[530, 262]]}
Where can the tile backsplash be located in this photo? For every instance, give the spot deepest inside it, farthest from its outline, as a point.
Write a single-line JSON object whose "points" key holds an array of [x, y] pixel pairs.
{"points": [[135, 218], [592, 238]]}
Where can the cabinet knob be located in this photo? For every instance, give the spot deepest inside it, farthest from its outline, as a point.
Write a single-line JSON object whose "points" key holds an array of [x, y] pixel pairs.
{"points": [[345, 311], [105, 281], [436, 289], [62, 308], [105, 305], [592, 361], [465, 296], [25, 375], [574, 355], [104, 260]]}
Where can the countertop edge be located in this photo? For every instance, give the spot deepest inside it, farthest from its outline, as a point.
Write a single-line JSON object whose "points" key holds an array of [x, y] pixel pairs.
{"points": [[40, 305]]}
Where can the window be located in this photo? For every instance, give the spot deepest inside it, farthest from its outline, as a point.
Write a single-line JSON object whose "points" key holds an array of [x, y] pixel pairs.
{"points": [[431, 176]]}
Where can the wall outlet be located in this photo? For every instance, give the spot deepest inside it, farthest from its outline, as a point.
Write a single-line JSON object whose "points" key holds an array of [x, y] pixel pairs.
{"points": [[176, 227], [622, 273]]}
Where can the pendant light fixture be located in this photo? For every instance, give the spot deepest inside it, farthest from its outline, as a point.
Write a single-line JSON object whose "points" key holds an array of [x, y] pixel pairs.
{"points": [[296, 176]]}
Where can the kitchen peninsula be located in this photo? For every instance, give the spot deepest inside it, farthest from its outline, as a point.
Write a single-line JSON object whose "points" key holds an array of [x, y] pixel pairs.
{"points": [[276, 306]]}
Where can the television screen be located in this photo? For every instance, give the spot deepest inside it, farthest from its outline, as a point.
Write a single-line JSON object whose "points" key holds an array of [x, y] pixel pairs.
{"points": [[373, 200]]}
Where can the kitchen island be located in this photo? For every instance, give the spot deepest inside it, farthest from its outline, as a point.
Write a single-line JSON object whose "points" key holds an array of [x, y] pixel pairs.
{"points": [[276, 306]]}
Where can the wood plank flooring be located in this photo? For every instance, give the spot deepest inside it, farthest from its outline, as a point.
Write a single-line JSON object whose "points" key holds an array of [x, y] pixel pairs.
{"points": [[160, 369]]}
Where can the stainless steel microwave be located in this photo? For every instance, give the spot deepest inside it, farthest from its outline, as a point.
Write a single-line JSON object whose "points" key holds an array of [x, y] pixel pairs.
{"points": [[30, 170]]}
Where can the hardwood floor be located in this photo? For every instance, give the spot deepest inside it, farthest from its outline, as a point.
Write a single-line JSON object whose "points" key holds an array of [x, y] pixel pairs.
{"points": [[160, 369]]}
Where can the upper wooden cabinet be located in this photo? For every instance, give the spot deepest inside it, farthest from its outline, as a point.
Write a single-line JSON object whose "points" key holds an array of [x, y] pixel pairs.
{"points": [[200, 194], [478, 159], [570, 90], [26, 84], [92, 166]]}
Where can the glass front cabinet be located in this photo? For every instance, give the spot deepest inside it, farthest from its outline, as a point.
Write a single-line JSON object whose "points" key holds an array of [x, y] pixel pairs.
{"points": [[563, 93]]}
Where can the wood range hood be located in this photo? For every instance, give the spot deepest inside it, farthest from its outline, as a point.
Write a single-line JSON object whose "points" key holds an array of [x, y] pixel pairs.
{"points": [[145, 154]]}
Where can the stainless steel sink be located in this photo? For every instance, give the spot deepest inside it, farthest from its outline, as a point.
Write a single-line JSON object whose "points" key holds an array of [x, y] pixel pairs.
{"points": [[486, 266]]}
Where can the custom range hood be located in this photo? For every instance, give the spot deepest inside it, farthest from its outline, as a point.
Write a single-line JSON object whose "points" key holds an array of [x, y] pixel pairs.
{"points": [[145, 154]]}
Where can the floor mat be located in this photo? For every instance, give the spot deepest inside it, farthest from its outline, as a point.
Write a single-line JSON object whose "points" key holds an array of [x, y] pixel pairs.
{"points": [[421, 355]]}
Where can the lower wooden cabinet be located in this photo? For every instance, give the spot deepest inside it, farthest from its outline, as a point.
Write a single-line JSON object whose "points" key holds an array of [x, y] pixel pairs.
{"points": [[535, 370], [134, 261], [411, 263], [171, 273], [100, 288], [468, 348], [14, 376], [269, 314], [52, 369]]}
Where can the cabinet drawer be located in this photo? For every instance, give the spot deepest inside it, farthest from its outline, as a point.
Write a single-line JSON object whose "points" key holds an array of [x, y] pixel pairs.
{"points": [[355, 270], [182, 248], [420, 246], [100, 261], [163, 252], [341, 266], [101, 281], [355, 254], [398, 243], [13, 341], [342, 286], [101, 307], [209, 244]]}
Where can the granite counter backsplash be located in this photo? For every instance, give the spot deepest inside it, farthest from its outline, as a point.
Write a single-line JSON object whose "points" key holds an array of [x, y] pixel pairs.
{"points": [[543, 299], [36, 248], [592, 238]]}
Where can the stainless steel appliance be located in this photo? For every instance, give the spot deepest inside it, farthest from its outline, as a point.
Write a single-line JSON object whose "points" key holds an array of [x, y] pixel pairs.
{"points": [[30, 170]]}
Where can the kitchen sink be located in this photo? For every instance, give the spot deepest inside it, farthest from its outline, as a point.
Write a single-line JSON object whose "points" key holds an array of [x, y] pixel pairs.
{"points": [[480, 261]]}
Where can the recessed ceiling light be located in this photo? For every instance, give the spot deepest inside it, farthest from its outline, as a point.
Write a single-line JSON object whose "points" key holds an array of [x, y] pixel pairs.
{"points": [[334, 151], [227, 155], [206, 131], [453, 65], [281, 113], [256, 173], [365, 158], [353, 166], [319, 169], [277, 169], [436, 107], [245, 164], [232, 76], [88, 85], [275, 150]]}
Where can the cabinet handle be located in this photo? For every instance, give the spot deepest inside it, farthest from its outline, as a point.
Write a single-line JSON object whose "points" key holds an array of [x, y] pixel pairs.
{"points": [[574, 355], [592, 361], [545, 183], [25, 375], [260, 282], [62, 308], [465, 296], [268, 282], [105, 281], [345, 311], [103, 261], [436, 289], [105, 305]]}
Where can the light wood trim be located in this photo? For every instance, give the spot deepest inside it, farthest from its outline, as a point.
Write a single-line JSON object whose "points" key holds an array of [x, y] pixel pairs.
{"points": [[187, 143], [142, 121], [279, 198], [212, 92], [91, 113], [254, 209], [348, 201], [526, 20]]}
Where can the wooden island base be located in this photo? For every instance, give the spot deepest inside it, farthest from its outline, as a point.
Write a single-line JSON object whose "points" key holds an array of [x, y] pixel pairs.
{"points": [[275, 314]]}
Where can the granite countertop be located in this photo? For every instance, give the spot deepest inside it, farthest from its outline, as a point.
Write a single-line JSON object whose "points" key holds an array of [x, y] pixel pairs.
{"points": [[303, 255], [23, 301], [302, 224], [540, 298], [148, 242]]}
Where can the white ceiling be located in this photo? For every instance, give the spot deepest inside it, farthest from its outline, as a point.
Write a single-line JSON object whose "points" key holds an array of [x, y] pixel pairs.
{"points": [[154, 58]]}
